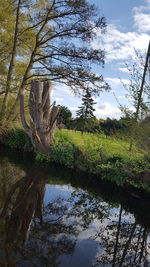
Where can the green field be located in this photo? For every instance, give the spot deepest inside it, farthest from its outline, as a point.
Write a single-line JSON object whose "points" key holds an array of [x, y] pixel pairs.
{"points": [[95, 143], [109, 157]]}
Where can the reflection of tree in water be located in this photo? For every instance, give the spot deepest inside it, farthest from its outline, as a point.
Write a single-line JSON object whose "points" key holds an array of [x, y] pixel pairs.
{"points": [[50, 239], [89, 208], [9, 174], [53, 229], [50, 236], [123, 243]]}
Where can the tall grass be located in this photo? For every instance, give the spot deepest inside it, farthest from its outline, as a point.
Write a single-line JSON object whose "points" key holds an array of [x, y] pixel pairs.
{"points": [[109, 146]]}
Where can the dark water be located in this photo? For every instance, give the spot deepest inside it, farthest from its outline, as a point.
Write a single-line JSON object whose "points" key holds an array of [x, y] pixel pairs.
{"points": [[54, 217]]}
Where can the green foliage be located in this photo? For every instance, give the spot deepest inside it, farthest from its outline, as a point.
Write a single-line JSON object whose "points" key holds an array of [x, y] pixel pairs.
{"points": [[86, 110], [64, 118], [28, 29], [41, 157], [111, 126], [85, 113], [147, 158], [113, 171], [108, 157], [17, 138], [136, 166], [99, 144], [63, 150], [63, 154]]}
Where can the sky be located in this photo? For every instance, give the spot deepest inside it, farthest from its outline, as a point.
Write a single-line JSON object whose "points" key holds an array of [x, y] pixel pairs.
{"points": [[128, 28]]}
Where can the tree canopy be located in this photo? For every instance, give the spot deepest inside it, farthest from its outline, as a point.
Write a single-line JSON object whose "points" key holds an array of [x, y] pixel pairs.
{"points": [[50, 41]]}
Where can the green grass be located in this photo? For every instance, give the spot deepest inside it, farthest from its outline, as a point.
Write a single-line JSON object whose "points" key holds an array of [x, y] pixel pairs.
{"points": [[98, 142], [109, 158]]}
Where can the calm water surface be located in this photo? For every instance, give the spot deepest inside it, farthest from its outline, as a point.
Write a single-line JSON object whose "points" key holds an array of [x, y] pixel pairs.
{"points": [[54, 217]]}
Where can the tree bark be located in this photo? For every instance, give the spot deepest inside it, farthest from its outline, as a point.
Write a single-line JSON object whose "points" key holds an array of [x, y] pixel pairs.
{"points": [[43, 116]]}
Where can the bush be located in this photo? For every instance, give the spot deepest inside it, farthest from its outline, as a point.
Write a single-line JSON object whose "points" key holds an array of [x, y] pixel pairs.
{"points": [[113, 171], [41, 157], [17, 138], [63, 153]]}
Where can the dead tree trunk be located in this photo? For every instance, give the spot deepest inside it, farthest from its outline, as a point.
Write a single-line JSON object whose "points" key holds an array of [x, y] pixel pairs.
{"points": [[43, 116]]}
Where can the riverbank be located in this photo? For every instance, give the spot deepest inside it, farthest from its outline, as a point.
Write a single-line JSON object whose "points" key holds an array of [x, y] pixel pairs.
{"points": [[106, 158]]}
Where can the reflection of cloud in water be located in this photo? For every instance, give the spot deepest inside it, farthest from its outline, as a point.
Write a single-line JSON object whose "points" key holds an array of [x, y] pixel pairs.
{"points": [[54, 191]]}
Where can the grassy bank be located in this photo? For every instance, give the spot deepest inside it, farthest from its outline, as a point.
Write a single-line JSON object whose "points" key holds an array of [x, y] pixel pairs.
{"points": [[108, 158]]}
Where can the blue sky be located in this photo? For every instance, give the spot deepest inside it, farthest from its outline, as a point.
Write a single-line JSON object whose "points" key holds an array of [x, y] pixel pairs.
{"points": [[128, 28]]}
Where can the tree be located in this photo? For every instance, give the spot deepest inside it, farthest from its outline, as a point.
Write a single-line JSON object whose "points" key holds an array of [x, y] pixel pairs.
{"points": [[86, 110], [111, 126], [85, 113], [15, 47], [12, 59], [43, 117], [64, 117], [58, 50], [138, 90]]}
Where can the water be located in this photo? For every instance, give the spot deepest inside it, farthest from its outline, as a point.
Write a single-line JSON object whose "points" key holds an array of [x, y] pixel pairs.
{"points": [[55, 217]]}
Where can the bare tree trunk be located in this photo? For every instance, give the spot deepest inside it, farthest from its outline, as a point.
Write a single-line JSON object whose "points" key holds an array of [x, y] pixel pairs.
{"points": [[11, 66], [43, 116], [140, 93]]}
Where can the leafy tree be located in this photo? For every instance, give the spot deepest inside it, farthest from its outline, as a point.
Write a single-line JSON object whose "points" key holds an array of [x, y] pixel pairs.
{"points": [[64, 117], [15, 48], [44, 47], [138, 86], [50, 42], [138, 92], [111, 126], [143, 137]]}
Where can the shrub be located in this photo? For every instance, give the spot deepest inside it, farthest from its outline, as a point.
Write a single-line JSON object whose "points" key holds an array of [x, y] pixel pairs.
{"points": [[63, 153], [41, 157], [113, 171], [17, 138]]}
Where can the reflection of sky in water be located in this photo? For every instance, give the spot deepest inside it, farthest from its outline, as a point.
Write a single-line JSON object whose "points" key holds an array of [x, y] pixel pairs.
{"points": [[87, 247], [84, 254], [57, 191]]}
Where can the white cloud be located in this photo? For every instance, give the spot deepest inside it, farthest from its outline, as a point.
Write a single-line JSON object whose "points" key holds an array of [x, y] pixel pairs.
{"points": [[121, 97], [124, 69], [142, 22], [58, 100], [141, 17], [120, 45], [114, 82], [73, 111], [96, 99], [61, 88], [107, 110]]}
